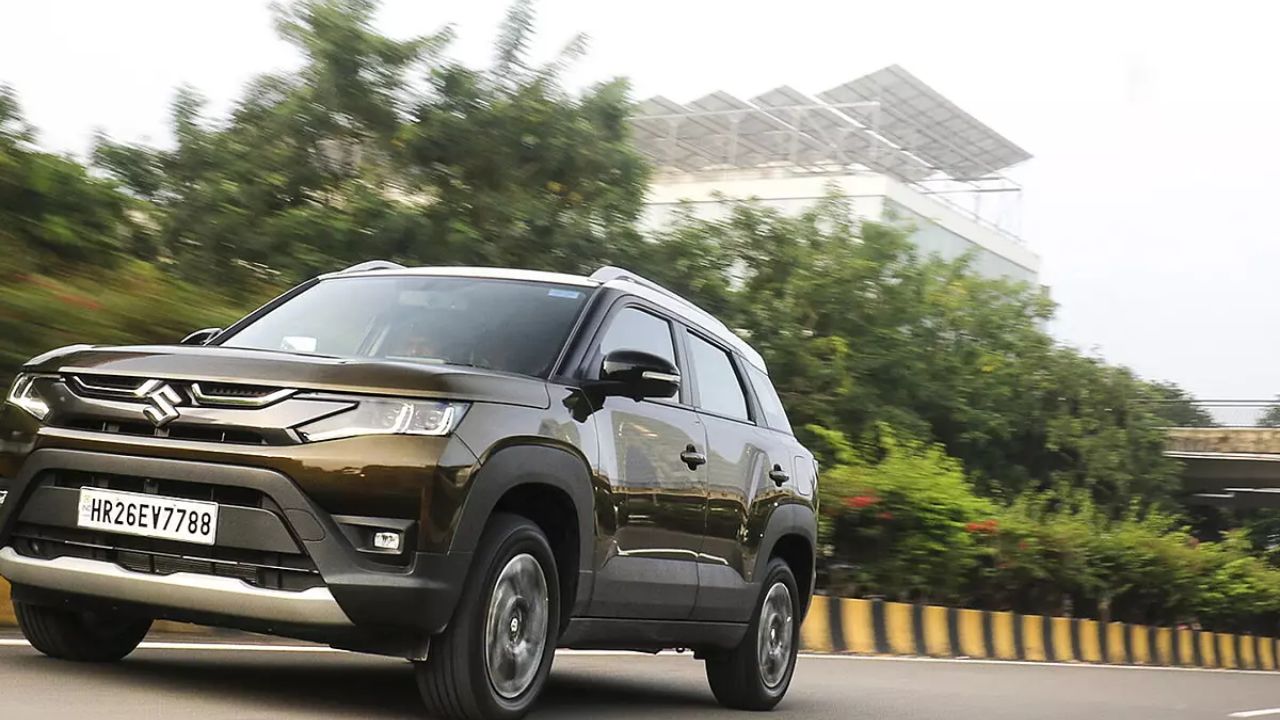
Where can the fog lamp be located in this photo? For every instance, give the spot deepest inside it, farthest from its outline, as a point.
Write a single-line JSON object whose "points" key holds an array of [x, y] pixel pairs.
{"points": [[387, 541]]}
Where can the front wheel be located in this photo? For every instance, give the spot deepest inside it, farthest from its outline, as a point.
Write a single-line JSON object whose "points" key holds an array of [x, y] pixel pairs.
{"points": [[756, 674], [494, 658], [80, 636]]}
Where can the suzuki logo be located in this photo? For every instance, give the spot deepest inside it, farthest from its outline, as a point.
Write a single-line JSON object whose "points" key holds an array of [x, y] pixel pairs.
{"points": [[163, 400]]}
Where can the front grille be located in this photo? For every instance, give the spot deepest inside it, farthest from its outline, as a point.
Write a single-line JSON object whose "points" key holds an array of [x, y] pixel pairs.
{"points": [[176, 431], [225, 410], [168, 565], [269, 570], [221, 494], [227, 390], [108, 385], [202, 393]]}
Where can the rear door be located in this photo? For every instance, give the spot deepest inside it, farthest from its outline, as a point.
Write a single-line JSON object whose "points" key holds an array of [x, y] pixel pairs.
{"points": [[741, 456]]}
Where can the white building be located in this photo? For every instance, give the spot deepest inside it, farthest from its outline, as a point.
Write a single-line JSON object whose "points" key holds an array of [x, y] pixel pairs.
{"points": [[899, 151]]}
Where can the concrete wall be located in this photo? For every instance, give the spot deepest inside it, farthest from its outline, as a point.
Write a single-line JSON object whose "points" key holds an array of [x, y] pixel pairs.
{"points": [[1255, 441], [707, 193]]}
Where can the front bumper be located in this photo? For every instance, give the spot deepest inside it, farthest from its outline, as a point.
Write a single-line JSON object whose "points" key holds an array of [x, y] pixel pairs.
{"points": [[179, 591], [356, 590]]}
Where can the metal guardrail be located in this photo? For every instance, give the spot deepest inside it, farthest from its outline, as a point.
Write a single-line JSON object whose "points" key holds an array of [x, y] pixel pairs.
{"points": [[1218, 413]]}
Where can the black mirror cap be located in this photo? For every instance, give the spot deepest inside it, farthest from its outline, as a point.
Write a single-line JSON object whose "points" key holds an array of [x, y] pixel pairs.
{"points": [[639, 374], [202, 337]]}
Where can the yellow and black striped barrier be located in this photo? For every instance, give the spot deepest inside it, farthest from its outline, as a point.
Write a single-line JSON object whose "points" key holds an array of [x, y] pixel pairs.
{"points": [[6, 610], [844, 625]]}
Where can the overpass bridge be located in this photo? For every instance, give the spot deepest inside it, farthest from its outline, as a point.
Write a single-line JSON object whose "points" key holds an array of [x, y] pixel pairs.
{"points": [[1230, 452]]}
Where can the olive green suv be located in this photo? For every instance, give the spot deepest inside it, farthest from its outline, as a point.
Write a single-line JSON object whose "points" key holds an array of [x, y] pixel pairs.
{"points": [[465, 467]]}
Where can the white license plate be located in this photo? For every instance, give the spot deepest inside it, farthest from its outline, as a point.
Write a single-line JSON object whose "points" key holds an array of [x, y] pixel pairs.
{"points": [[151, 516]]}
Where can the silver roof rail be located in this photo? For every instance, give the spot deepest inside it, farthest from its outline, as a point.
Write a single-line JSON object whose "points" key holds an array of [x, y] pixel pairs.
{"points": [[708, 322], [370, 265]]}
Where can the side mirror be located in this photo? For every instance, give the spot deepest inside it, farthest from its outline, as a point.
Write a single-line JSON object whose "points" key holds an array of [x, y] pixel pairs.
{"points": [[639, 375], [201, 337]]}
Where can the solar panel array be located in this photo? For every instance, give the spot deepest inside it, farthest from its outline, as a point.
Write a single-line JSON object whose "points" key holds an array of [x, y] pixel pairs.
{"points": [[887, 121]]}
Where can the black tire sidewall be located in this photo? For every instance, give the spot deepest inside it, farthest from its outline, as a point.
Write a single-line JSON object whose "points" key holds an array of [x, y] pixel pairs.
{"points": [[779, 571], [80, 636], [735, 675], [522, 537]]}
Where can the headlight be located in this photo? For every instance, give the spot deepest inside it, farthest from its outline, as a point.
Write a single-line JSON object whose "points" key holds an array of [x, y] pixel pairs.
{"points": [[387, 417], [23, 394]]}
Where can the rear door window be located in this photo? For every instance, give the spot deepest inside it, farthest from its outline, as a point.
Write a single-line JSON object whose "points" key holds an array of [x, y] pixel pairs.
{"points": [[719, 389], [775, 416]]}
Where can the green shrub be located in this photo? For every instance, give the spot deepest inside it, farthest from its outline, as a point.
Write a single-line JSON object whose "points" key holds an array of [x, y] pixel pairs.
{"points": [[899, 519], [901, 522]]}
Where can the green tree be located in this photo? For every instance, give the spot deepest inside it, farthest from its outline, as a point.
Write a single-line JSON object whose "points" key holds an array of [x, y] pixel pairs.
{"points": [[52, 211], [859, 330], [1178, 408], [1271, 416], [385, 148], [520, 171]]}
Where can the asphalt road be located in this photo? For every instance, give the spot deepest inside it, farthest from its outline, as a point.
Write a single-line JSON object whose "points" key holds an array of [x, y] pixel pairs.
{"points": [[191, 684]]}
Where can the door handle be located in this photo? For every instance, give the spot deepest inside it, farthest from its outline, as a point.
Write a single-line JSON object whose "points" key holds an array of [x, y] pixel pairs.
{"points": [[692, 457], [778, 475]]}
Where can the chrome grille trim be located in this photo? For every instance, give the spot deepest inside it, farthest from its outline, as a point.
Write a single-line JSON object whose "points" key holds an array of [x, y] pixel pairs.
{"points": [[202, 393], [136, 392], [206, 397]]}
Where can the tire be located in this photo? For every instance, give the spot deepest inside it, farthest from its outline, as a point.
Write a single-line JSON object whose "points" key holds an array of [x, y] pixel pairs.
{"points": [[98, 637], [499, 603], [740, 678]]}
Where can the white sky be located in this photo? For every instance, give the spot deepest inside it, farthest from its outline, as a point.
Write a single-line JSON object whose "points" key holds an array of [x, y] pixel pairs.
{"points": [[1153, 124]]}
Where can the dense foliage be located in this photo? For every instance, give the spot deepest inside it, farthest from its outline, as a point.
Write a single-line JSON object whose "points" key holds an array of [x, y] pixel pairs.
{"points": [[385, 148], [910, 526], [858, 330], [969, 457]]}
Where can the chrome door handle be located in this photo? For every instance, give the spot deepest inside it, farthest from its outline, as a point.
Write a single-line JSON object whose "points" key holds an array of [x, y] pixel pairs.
{"points": [[778, 475], [692, 457]]}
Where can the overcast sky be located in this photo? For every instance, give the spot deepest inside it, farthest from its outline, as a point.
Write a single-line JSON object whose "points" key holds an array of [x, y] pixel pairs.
{"points": [[1153, 124]]}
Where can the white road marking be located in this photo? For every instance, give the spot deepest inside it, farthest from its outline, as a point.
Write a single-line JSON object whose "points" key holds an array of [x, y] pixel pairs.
{"points": [[249, 647], [1255, 713]]}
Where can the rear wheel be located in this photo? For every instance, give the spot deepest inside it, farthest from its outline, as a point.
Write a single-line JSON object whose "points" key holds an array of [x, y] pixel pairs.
{"points": [[494, 658], [80, 636], [756, 674]]}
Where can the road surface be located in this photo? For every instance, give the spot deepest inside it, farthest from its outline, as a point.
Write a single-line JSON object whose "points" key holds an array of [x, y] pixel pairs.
{"points": [[225, 681]]}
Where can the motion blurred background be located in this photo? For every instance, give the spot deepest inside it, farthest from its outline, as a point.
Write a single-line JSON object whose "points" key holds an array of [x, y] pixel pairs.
{"points": [[969, 458]]}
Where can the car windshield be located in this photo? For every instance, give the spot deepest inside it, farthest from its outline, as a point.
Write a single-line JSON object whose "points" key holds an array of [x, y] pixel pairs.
{"points": [[505, 325]]}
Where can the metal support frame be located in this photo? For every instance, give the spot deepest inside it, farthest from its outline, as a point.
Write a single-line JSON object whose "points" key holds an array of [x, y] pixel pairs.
{"points": [[804, 134]]}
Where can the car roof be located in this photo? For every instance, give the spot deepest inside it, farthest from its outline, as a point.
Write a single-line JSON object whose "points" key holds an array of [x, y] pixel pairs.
{"points": [[609, 277]]}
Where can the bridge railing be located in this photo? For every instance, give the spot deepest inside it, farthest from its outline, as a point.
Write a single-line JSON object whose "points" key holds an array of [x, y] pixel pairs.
{"points": [[1217, 413]]}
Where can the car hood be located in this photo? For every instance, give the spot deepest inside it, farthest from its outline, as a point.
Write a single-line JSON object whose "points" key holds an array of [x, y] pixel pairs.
{"points": [[294, 370]]}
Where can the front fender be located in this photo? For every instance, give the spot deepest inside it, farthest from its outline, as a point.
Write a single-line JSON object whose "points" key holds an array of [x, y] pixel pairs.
{"points": [[531, 465]]}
